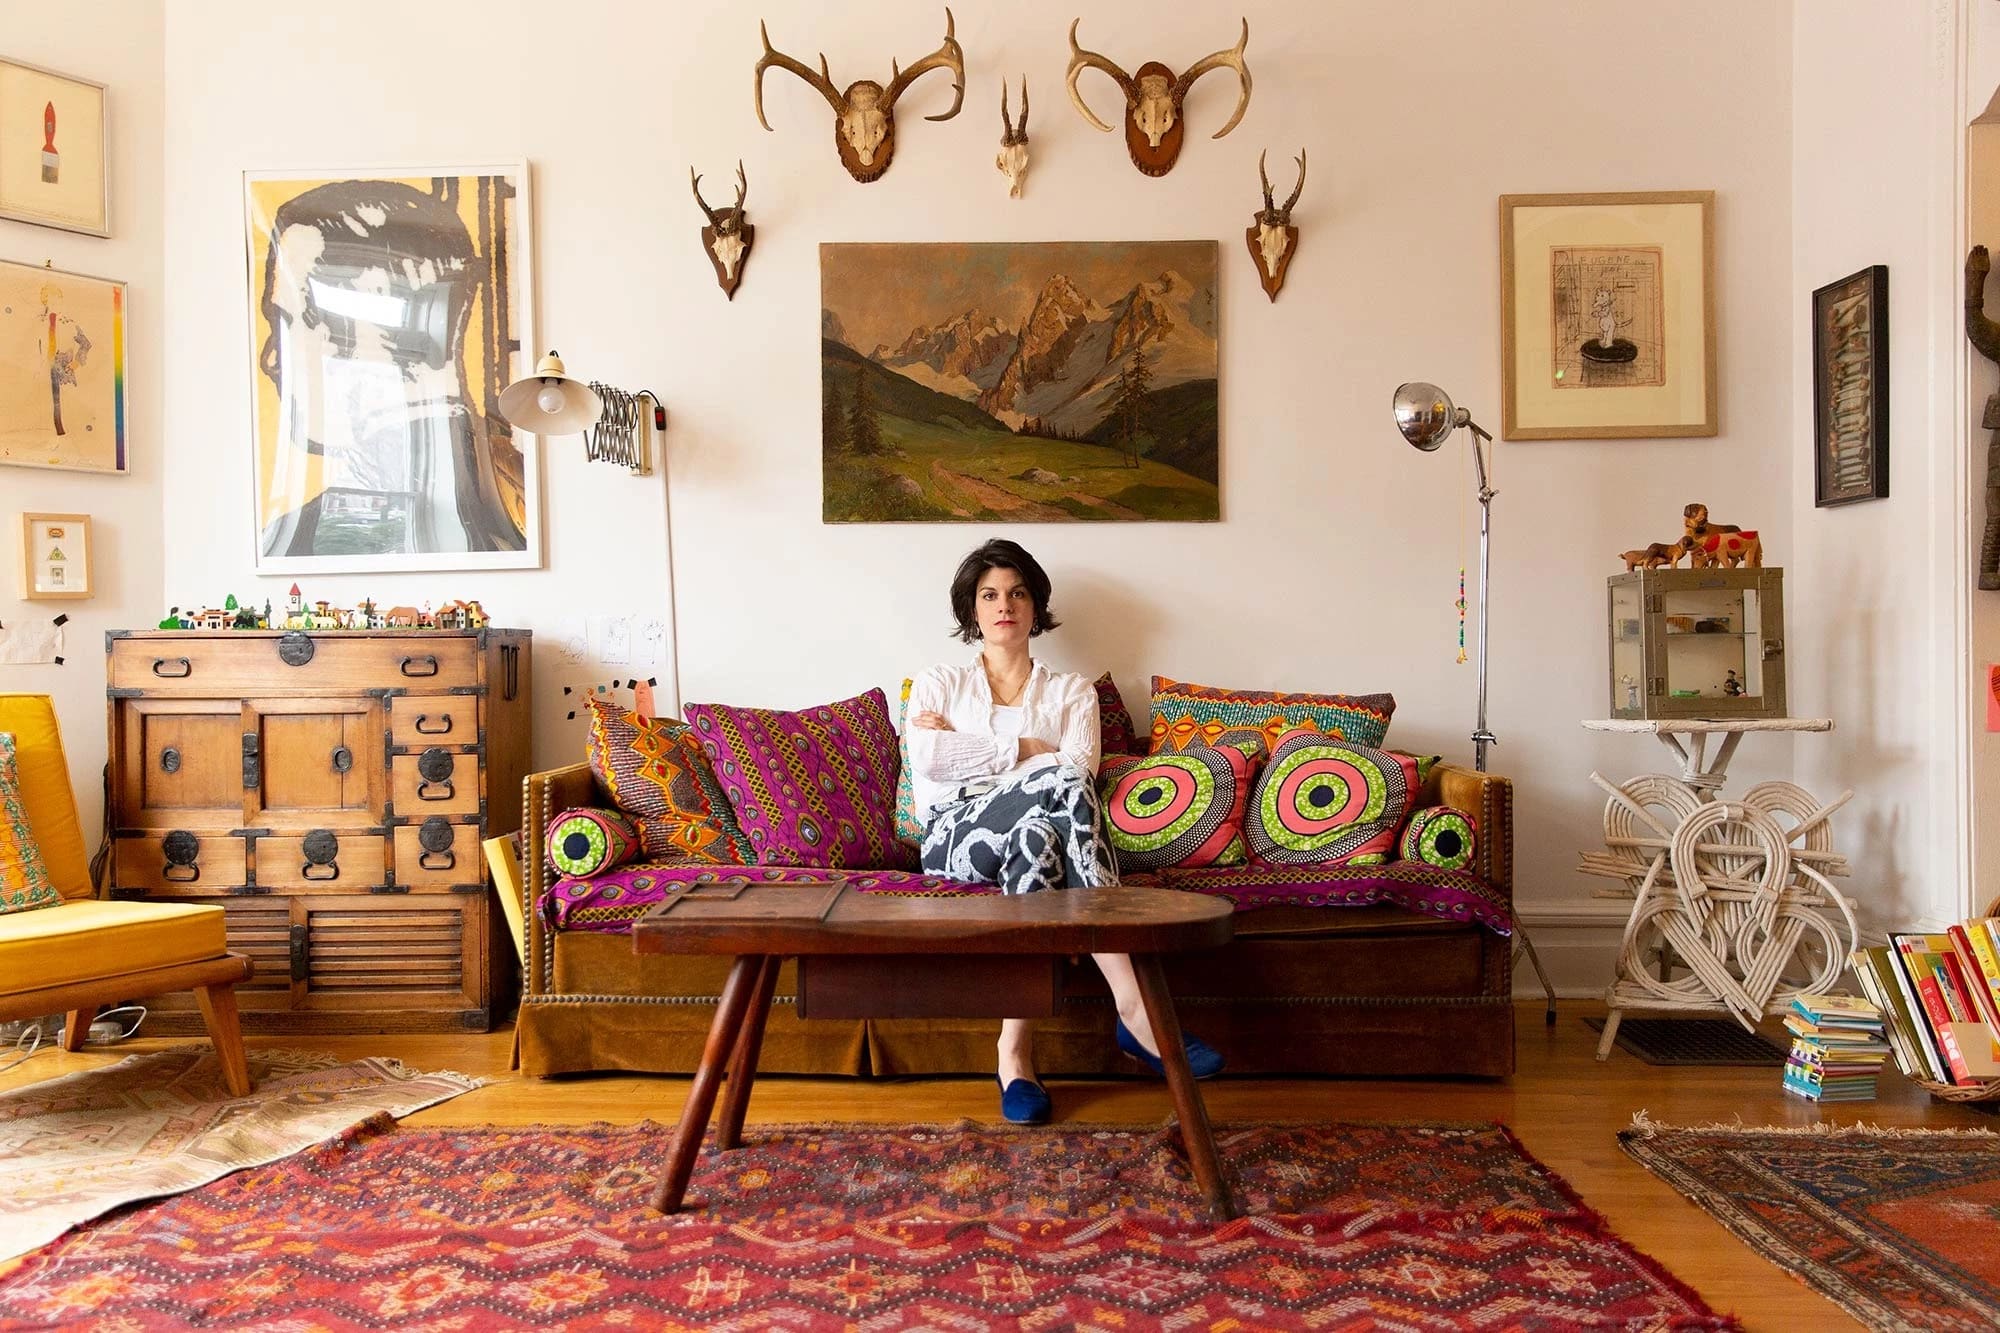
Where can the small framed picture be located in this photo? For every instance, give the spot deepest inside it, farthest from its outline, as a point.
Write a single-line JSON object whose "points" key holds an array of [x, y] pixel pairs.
{"points": [[52, 150], [1607, 320], [55, 557], [1850, 355]]}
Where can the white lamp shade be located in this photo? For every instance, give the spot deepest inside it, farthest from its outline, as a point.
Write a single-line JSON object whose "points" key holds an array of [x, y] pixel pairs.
{"points": [[580, 410]]}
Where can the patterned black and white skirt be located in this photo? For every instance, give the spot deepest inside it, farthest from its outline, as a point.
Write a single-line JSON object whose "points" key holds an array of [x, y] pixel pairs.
{"points": [[1039, 831]]}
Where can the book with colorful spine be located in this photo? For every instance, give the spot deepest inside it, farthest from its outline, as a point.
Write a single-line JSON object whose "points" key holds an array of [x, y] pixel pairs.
{"points": [[1838, 1047]]}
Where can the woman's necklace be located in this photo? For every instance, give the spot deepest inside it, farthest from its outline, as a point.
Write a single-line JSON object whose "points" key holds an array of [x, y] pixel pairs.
{"points": [[1006, 696]]}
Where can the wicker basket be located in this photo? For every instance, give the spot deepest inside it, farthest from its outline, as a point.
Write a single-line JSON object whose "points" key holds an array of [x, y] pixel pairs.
{"points": [[1961, 1092]]}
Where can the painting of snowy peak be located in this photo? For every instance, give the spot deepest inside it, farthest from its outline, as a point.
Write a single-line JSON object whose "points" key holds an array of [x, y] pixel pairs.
{"points": [[1037, 383]]}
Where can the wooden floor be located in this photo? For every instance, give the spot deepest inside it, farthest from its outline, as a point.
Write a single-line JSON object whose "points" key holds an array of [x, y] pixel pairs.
{"points": [[1562, 1104]]}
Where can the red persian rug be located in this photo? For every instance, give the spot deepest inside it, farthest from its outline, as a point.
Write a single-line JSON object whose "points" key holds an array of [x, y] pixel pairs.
{"points": [[961, 1227], [1900, 1226]]}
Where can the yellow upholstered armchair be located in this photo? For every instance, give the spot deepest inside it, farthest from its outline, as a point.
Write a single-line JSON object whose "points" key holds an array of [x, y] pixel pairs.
{"points": [[85, 953]]}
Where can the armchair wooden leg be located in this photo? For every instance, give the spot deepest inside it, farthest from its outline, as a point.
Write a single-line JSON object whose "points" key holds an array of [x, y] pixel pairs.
{"points": [[77, 1026], [218, 1011]]}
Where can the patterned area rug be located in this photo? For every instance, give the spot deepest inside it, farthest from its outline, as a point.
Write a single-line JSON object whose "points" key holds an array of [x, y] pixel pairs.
{"points": [[75, 1147], [960, 1227], [1900, 1226]]}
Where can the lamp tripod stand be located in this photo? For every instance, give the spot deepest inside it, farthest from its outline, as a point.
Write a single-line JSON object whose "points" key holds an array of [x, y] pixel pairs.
{"points": [[1426, 417]]}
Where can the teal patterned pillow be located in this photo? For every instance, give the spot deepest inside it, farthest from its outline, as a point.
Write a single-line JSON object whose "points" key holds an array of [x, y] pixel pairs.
{"points": [[24, 878]]}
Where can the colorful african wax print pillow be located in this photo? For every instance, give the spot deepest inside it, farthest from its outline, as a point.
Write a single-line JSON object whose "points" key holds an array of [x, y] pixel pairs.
{"points": [[1115, 735], [654, 770], [1440, 836], [1183, 713], [587, 841], [24, 879], [812, 788], [1179, 809], [1325, 801]]}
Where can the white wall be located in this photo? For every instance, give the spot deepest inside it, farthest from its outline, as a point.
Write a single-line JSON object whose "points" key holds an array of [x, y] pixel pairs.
{"points": [[1879, 607], [1335, 565], [123, 54]]}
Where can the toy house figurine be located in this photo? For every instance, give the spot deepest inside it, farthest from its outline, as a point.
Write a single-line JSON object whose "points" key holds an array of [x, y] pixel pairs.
{"points": [[1697, 643]]}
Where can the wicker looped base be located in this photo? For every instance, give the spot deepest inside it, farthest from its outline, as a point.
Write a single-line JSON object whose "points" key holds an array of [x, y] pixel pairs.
{"points": [[1961, 1092]]}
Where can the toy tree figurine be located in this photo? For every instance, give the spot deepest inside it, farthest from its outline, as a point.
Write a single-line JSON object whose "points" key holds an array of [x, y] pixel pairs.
{"points": [[1985, 336]]}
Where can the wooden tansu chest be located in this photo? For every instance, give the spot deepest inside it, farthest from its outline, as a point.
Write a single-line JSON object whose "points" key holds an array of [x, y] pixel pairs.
{"points": [[330, 790]]}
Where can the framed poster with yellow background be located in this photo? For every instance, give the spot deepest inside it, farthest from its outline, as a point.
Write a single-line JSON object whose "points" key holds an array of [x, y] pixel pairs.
{"points": [[388, 309], [52, 150], [1607, 315], [62, 369]]}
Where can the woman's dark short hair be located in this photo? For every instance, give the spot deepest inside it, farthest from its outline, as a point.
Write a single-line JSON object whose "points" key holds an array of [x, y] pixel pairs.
{"points": [[998, 554]]}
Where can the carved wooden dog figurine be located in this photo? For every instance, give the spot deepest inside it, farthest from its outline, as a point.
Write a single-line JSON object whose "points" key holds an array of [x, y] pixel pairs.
{"points": [[1653, 555], [1727, 549]]}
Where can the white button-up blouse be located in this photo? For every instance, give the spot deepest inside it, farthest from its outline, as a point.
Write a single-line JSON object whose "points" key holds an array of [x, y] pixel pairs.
{"points": [[1059, 707]]}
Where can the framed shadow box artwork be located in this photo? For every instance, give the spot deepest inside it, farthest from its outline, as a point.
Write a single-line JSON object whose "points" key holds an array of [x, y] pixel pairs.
{"points": [[1850, 354], [56, 557], [52, 150], [1607, 319]]}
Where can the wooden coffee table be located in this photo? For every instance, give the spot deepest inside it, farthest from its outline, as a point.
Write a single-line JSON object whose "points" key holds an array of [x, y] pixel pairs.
{"points": [[872, 955]]}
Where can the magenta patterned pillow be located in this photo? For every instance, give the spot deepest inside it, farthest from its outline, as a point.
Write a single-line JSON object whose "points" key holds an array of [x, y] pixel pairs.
{"points": [[811, 788]]}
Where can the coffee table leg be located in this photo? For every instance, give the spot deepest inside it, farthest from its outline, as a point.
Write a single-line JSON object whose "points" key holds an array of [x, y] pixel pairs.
{"points": [[743, 1061], [685, 1145], [1195, 1133]]}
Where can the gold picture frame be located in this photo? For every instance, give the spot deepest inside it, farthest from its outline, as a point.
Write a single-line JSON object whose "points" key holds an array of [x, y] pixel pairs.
{"points": [[57, 554], [53, 150], [1607, 323]]}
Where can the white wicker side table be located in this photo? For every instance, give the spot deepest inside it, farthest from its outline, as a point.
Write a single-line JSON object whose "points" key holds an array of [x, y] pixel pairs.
{"points": [[1737, 891]]}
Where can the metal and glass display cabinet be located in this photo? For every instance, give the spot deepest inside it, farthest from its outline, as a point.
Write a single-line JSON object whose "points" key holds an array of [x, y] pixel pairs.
{"points": [[1697, 643]]}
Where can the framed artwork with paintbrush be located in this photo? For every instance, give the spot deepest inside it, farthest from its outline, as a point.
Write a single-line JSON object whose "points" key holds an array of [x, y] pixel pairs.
{"points": [[52, 146], [1850, 353]]}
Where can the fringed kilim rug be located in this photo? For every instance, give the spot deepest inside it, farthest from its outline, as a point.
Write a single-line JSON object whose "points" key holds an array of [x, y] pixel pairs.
{"points": [[75, 1147], [960, 1227], [1900, 1226]]}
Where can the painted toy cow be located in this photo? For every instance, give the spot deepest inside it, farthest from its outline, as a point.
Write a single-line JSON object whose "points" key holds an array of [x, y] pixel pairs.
{"points": [[1725, 549]]}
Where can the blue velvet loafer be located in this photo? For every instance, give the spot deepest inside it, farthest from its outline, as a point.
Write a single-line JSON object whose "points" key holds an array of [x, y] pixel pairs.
{"points": [[1204, 1061], [1024, 1102]]}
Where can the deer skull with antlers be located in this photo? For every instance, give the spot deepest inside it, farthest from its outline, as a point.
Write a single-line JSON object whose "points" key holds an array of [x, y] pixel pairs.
{"points": [[1013, 158], [1153, 97], [727, 236], [864, 125], [1272, 237]]}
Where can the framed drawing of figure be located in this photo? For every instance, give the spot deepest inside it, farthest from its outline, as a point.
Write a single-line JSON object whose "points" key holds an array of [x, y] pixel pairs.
{"points": [[52, 150], [388, 309], [62, 380]]}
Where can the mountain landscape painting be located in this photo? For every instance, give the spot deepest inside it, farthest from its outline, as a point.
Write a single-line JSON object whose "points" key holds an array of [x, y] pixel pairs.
{"points": [[1042, 382]]}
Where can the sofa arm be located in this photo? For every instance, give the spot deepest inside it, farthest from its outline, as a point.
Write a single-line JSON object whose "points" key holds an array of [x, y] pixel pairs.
{"points": [[545, 795], [1489, 799]]}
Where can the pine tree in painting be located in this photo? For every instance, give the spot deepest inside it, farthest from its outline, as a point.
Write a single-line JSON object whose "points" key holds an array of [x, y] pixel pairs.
{"points": [[863, 435], [833, 422]]}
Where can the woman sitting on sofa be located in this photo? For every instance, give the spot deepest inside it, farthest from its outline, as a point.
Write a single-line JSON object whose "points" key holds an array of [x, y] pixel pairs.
{"points": [[1004, 754]]}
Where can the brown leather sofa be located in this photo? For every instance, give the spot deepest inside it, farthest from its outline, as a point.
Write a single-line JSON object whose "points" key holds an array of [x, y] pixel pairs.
{"points": [[1375, 989]]}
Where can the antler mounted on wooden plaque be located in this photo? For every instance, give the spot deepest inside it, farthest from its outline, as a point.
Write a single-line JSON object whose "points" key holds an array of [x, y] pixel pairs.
{"points": [[727, 237], [1272, 237], [1153, 97]]}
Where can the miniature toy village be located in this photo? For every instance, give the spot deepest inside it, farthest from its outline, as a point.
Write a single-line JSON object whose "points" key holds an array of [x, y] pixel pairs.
{"points": [[322, 615]]}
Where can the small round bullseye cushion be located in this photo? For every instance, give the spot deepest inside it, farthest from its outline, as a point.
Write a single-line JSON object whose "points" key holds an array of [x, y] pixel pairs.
{"points": [[1440, 836], [1181, 809], [1324, 801], [585, 841]]}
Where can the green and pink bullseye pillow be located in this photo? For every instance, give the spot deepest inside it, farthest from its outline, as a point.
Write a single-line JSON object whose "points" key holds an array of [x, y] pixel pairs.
{"points": [[585, 842], [1324, 801], [1440, 836], [1179, 809]]}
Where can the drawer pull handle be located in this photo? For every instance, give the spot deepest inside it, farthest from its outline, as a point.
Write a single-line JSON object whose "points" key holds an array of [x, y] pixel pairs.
{"points": [[160, 665], [170, 760], [343, 759], [435, 791], [434, 770], [434, 836], [295, 649], [423, 730], [444, 860], [428, 661], [321, 849], [182, 850]]}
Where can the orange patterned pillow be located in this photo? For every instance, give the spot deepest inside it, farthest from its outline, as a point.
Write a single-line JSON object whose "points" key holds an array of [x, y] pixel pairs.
{"points": [[1185, 714], [24, 879], [654, 770]]}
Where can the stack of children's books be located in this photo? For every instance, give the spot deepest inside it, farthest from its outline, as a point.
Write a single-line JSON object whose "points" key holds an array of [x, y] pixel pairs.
{"points": [[1837, 1048], [1941, 996]]}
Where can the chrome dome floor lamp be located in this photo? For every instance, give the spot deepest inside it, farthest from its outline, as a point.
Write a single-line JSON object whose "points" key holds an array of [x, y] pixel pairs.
{"points": [[1426, 417]]}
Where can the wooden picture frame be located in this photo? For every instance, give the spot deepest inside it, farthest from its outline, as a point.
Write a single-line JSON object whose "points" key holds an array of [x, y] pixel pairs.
{"points": [[1607, 325], [63, 405], [53, 150], [57, 555], [1850, 358]]}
